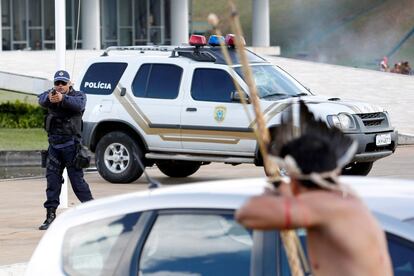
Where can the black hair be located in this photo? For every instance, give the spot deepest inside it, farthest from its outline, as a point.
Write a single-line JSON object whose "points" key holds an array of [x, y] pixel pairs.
{"points": [[312, 153]]}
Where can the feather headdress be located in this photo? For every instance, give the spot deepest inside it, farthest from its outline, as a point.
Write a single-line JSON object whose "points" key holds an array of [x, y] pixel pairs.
{"points": [[299, 128]]}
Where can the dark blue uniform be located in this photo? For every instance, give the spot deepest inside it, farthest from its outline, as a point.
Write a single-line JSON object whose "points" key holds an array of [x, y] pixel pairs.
{"points": [[63, 124]]}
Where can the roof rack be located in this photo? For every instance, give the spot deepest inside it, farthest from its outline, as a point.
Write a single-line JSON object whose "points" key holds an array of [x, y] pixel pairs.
{"points": [[194, 53], [138, 48]]}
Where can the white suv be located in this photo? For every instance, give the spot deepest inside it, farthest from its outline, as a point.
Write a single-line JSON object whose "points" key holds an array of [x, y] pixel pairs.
{"points": [[177, 107]]}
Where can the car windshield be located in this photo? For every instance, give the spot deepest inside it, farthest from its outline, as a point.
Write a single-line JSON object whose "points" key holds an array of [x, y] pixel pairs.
{"points": [[274, 83]]}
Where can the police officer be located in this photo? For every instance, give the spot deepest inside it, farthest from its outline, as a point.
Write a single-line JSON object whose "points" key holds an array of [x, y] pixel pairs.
{"points": [[63, 124]]}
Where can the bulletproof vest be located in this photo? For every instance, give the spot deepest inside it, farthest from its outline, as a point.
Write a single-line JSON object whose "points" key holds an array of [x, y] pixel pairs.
{"points": [[64, 123]]}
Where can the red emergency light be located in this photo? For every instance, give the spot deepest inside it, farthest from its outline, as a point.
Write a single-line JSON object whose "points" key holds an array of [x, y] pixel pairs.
{"points": [[198, 40], [230, 40]]}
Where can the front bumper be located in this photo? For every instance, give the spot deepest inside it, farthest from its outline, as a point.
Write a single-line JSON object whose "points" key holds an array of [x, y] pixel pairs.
{"points": [[368, 151]]}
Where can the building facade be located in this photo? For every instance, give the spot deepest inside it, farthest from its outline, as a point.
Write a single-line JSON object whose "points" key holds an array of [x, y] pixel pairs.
{"points": [[30, 24]]}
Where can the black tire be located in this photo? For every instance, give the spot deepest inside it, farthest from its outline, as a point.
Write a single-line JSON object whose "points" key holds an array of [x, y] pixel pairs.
{"points": [[357, 168], [117, 158], [178, 168]]}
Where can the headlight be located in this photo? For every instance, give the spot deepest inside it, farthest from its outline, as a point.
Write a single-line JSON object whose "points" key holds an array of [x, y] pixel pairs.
{"points": [[342, 121]]}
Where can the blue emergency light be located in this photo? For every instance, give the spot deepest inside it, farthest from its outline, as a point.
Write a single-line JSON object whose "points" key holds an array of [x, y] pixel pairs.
{"points": [[215, 40]]}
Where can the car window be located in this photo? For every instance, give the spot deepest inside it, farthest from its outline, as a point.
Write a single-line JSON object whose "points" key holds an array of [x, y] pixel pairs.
{"points": [[212, 85], [95, 248], [402, 255], [196, 244], [273, 83], [160, 81], [284, 267], [401, 252], [102, 78]]}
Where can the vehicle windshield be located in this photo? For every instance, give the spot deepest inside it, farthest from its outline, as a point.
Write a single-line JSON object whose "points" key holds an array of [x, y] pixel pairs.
{"points": [[274, 83]]}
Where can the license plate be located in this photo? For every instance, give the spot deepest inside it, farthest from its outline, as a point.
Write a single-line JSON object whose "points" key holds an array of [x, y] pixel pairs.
{"points": [[383, 139]]}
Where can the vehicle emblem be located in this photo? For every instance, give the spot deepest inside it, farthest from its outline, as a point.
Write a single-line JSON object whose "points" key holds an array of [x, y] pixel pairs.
{"points": [[220, 113]]}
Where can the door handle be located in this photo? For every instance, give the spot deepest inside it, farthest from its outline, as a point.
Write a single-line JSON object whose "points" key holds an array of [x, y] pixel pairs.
{"points": [[191, 109]]}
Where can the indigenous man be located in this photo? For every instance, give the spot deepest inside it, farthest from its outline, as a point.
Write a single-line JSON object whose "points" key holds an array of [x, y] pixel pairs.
{"points": [[343, 237]]}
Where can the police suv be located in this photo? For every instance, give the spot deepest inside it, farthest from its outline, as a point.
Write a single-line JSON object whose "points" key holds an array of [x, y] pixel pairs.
{"points": [[177, 107]]}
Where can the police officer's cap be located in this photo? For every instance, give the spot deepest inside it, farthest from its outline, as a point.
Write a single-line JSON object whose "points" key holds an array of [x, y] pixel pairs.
{"points": [[62, 75]]}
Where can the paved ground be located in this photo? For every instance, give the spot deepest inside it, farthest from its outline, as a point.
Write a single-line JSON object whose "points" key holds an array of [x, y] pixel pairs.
{"points": [[21, 201], [21, 210], [394, 92]]}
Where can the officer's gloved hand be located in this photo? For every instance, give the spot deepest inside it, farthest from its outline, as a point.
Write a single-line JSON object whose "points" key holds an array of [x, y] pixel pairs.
{"points": [[55, 96]]}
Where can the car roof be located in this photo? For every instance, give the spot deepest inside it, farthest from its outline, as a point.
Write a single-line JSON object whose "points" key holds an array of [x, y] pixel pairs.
{"points": [[391, 197], [203, 54]]}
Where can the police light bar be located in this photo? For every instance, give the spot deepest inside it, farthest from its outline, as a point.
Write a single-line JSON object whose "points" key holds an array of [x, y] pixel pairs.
{"points": [[230, 40], [215, 40], [198, 40]]}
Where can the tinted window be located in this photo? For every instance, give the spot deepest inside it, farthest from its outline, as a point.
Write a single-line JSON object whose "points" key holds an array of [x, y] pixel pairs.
{"points": [[212, 85], [196, 244], [402, 255], [401, 252], [161, 81], [102, 78], [285, 268], [139, 86], [96, 247]]}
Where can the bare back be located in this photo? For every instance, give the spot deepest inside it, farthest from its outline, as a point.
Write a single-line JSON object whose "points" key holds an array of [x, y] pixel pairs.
{"points": [[343, 236], [347, 240]]}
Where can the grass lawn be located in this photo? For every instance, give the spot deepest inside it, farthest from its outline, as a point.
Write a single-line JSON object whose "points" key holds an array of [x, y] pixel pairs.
{"points": [[23, 139]]}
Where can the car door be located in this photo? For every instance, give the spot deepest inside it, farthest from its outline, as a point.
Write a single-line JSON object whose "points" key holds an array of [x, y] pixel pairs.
{"points": [[211, 122], [402, 254], [98, 247], [154, 100], [194, 242]]}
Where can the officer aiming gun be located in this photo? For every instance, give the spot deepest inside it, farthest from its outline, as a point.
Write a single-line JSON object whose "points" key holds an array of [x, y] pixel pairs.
{"points": [[63, 124]]}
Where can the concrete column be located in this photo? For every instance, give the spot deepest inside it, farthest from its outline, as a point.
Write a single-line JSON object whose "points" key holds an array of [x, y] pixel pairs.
{"points": [[91, 33], [260, 22], [60, 42], [60, 34], [179, 22]]}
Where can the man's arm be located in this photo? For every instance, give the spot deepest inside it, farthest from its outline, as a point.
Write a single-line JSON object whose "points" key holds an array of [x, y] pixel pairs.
{"points": [[44, 99], [74, 102], [267, 212]]}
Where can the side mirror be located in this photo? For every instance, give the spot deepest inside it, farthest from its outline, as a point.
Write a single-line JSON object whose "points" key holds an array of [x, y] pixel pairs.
{"points": [[123, 92], [235, 97]]}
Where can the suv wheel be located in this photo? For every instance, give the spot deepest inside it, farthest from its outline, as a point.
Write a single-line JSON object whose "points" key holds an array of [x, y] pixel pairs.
{"points": [[178, 168], [116, 158], [358, 168]]}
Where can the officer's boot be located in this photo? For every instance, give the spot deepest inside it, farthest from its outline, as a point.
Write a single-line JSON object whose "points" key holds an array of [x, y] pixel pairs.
{"points": [[50, 217]]}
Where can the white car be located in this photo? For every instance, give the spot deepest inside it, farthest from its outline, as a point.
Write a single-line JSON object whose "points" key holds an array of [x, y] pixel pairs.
{"points": [[177, 107], [190, 230]]}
